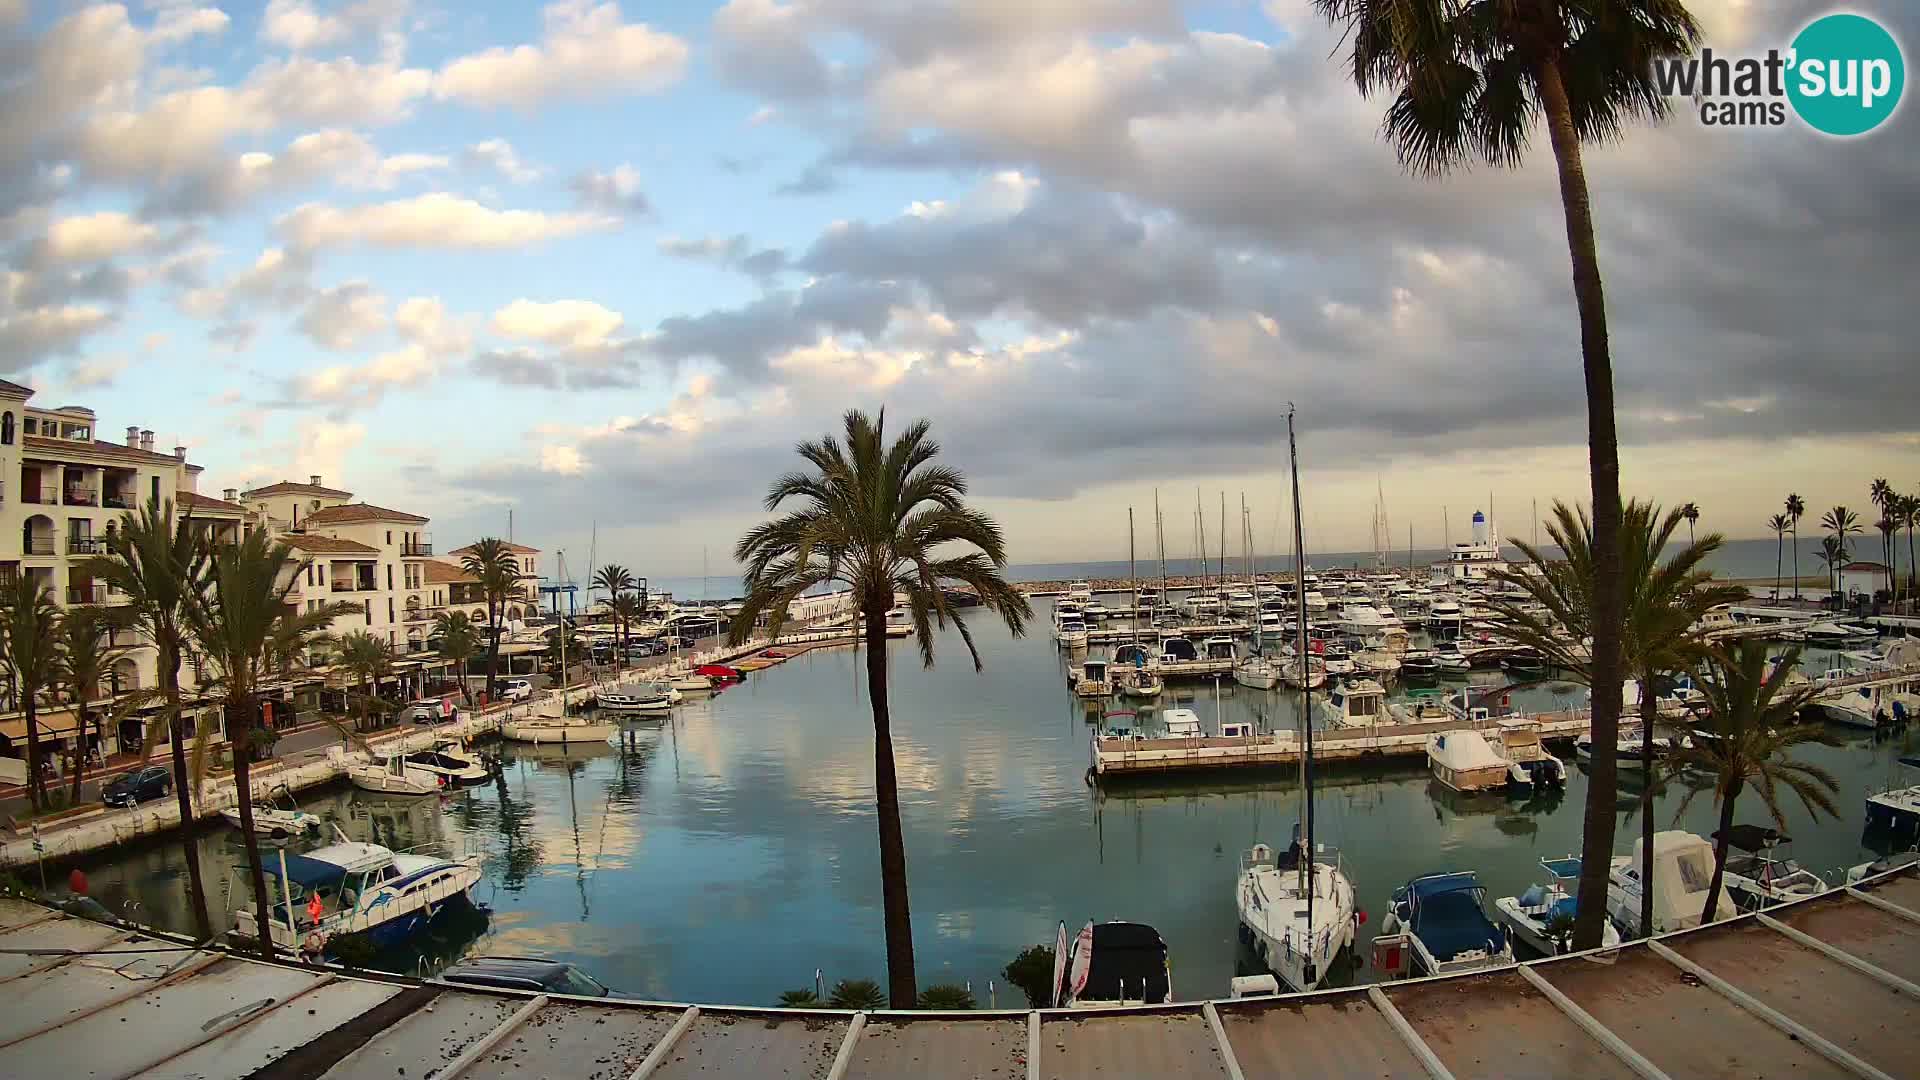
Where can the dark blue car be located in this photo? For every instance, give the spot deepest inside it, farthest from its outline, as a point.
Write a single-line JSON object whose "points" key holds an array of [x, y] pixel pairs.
{"points": [[138, 786]]}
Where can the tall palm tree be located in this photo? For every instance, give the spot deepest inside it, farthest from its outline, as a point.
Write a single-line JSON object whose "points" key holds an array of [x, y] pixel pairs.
{"points": [[1779, 524], [30, 645], [490, 563], [1691, 512], [1840, 523], [1796, 508], [615, 579], [1910, 517], [459, 642], [245, 625], [86, 662], [1749, 722], [1881, 494], [1469, 80], [1888, 528], [883, 519], [157, 562], [1832, 555], [1664, 603], [627, 609], [366, 658]]}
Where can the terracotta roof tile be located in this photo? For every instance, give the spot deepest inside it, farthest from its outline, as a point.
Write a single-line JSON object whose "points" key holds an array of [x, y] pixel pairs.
{"points": [[354, 512], [104, 449], [288, 487], [327, 545], [518, 549], [15, 388], [440, 573], [207, 502]]}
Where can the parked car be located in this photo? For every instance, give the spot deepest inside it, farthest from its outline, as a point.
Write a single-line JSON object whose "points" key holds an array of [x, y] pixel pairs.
{"points": [[138, 786], [535, 973], [515, 689], [430, 712]]}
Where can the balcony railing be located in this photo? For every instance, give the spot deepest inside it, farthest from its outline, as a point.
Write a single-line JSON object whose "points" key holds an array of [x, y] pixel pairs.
{"points": [[350, 586], [86, 545], [38, 545], [82, 497], [416, 547], [120, 502], [40, 498], [85, 594]]}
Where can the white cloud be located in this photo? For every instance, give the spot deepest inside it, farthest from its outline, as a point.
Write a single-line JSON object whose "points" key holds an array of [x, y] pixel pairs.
{"points": [[616, 192], [361, 385], [96, 237], [389, 170], [570, 323], [27, 336], [96, 373], [423, 321], [298, 25], [178, 22], [344, 316], [499, 156], [437, 220], [587, 51], [565, 460]]}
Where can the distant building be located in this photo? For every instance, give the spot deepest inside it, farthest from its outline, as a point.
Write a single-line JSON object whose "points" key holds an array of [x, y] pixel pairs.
{"points": [[1471, 560], [1865, 578], [522, 604]]}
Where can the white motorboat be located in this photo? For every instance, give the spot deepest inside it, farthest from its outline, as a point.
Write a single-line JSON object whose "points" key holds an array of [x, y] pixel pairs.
{"points": [[1256, 672], [645, 698], [1071, 632], [1683, 867], [455, 769], [1542, 917], [1112, 965], [1896, 811], [1451, 662], [1220, 648], [1530, 764], [1177, 650], [1627, 753], [1338, 660], [1203, 606], [1079, 591], [278, 817], [1273, 901], [1827, 635], [1241, 600], [1359, 702], [1139, 682], [1093, 679], [393, 774], [1464, 761], [1421, 707], [1093, 611], [1181, 723], [1312, 677], [1438, 925], [1850, 706], [1759, 875], [557, 730], [360, 889]]}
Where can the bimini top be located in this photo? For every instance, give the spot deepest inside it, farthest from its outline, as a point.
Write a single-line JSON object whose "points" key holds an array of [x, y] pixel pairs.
{"points": [[1127, 957]]}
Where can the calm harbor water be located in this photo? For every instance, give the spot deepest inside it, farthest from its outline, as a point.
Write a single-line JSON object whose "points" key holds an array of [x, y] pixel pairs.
{"points": [[725, 855]]}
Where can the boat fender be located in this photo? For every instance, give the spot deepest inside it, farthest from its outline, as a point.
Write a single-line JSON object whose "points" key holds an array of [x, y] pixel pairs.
{"points": [[314, 911], [314, 945]]}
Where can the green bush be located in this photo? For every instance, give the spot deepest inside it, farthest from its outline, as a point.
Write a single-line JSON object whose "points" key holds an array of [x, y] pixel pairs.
{"points": [[801, 999], [1032, 972], [946, 996], [857, 994]]}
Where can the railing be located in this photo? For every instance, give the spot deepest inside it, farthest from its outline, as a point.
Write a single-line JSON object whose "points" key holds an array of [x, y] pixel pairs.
{"points": [[84, 594], [39, 498], [349, 586], [86, 545], [82, 497], [119, 502], [38, 545], [416, 547]]}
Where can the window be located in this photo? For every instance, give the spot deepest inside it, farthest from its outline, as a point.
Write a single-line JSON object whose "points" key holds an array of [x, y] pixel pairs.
{"points": [[389, 604], [6, 429], [389, 566], [389, 537], [31, 425], [366, 608], [155, 496], [309, 573]]}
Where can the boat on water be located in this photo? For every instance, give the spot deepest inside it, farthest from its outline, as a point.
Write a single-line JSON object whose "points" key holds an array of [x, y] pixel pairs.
{"points": [[355, 888], [277, 817], [1337, 658], [1356, 702], [1298, 911], [1759, 873], [454, 769], [1437, 924], [1220, 648], [1683, 866], [640, 698], [721, 673], [393, 774], [1310, 676], [1532, 764], [1112, 965], [1177, 650], [1627, 753], [1896, 810], [1464, 761], [1079, 591], [1421, 707], [1070, 632], [1181, 723], [1419, 666], [1256, 672], [1134, 677], [1541, 918], [557, 730], [1093, 679], [1451, 662], [1121, 724], [1524, 661]]}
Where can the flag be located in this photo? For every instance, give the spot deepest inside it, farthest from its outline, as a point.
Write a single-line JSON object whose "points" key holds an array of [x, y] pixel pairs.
{"points": [[1059, 964]]}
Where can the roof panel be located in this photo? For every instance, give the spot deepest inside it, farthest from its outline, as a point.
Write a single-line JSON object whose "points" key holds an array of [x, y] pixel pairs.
{"points": [[1902, 889], [427, 1040], [940, 1049], [1679, 1023], [1333, 1037], [244, 1049], [1498, 1025], [590, 1042], [1879, 937], [1092, 1045], [83, 983], [65, 934], [16, 913], [760, 1045]]}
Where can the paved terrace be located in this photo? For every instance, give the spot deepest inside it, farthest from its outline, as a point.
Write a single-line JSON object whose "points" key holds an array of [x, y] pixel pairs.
{"points": [[1825, 987]]}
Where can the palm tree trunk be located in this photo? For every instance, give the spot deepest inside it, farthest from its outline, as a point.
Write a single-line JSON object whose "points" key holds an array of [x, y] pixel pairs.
{"points": [[1779, 553], [1648, 713], [183, 787], [36, 784], [239, 710], [1719, 854], [1911, 565], [1604, 469], [493, 652], [902, 990], [1796, 561]]}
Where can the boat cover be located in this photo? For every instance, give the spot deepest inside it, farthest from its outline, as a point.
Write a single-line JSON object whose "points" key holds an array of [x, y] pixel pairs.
{"points": [[1447, 917], [304, 872], [1129, 962]]}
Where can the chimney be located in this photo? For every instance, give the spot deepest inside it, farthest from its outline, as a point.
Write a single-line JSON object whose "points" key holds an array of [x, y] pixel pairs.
{"points": [[133, 436], [179, 453], [314, 479], [146, 439], [229, 494]]}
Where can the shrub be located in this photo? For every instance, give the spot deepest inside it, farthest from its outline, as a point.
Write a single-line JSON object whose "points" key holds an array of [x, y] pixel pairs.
{"points": [[1032, 972], [857, 994], [946, 996]]}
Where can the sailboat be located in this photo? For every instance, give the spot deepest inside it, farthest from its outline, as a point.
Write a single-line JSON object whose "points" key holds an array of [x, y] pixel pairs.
{"points": [[1255, 670], [1297, 905], [1133, 674]]}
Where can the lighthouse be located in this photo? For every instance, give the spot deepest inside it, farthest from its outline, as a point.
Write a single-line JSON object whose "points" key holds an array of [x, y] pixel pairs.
{"points": [[1479, 529]]}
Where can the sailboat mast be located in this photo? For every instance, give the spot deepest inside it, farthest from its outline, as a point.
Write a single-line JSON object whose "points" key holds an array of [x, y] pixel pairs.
{"points": [[1160, 538], [1200, 530], [1223, 552], [1133, 581], [1246, 552], [1306, 695]]}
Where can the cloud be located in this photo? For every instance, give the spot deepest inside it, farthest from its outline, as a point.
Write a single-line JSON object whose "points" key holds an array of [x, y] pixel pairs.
{"points": [[359, 386], [96, 373], [178, 22], [298, 25], [30, 335], [436, 220], [614, 192], [733, 252], [564, 460], [429, 339], [499, 156], [96, 237], [344, 316], [572, 323], [277, 279], [587, 51]]}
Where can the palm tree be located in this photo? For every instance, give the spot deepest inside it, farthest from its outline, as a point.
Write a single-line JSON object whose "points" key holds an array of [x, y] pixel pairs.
{"points": [[366, 658], [245, 625], [1796, 507], [884, 520], [615, 579], [86, 662], [29, 643], [158, 563], [1841, 523], [1888, 527], [1881, 494], [1664, 603], [627, 609], [490, 563], [1779, 524], [459, 641], [1469, 82], [1749, 722], [1691, 512], [1832, 555], [1910, 517]]}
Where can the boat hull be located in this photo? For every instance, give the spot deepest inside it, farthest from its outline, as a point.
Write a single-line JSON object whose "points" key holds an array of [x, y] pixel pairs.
{"points": [[560, 734], [1530, 931]]}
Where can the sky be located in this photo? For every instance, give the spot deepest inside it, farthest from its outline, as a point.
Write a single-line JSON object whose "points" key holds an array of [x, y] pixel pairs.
{"points": [[602, 265]]}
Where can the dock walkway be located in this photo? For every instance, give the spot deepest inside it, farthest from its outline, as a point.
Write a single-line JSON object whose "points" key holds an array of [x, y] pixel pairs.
{"points": [[1825, 986]]}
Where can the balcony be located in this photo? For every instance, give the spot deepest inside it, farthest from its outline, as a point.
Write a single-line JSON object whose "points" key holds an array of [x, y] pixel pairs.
{"points": [[353, 586], [416, 548], [37, 545], [119, 501], [85, 594], [82, 497], [39, 498], [86, 545]]}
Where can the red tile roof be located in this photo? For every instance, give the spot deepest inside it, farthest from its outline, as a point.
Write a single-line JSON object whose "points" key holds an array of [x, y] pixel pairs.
{"points": [[206, 502], [288, 487], [327, 545], [15, 388], [353, 512], [105, 449], [440, 573], [518, 549]]}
